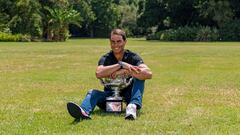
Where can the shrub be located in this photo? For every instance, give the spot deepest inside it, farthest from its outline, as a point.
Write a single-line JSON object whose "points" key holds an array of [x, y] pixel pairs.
{"points": [[168, 35], [155, 36], [185, 33], [4, 29], [205, 33], [230, 31], [13, 38]]}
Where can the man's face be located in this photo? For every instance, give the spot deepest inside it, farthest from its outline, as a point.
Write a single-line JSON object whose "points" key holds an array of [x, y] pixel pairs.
{"points": [[117, 43]]}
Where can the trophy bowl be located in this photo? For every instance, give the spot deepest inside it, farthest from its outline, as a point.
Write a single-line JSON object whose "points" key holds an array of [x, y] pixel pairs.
{"points": [[114, 103]]}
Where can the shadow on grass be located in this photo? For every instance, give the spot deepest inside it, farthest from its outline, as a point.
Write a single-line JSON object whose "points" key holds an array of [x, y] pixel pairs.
{"points": [[76, 121], [103, 113]]}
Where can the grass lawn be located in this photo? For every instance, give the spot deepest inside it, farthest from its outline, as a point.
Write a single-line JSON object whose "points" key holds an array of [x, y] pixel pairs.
{"points": [[195, 88]]}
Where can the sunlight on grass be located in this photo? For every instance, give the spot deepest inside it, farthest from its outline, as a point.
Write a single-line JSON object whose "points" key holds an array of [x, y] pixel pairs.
{"points": [[195, 88]]}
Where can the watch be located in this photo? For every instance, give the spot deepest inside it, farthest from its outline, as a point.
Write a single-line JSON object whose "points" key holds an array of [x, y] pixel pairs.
{"points": [[121, 64]]}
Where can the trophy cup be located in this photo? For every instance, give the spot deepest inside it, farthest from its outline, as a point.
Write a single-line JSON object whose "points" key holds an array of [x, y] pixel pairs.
{"points": [[114, 103]]}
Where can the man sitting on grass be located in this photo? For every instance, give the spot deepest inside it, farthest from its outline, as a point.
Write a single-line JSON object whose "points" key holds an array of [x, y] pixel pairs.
{"points": [[118, 61]]}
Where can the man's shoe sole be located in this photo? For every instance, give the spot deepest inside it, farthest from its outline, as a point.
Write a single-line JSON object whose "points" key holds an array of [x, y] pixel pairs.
{"points": [[129, 117], [75, 111]]}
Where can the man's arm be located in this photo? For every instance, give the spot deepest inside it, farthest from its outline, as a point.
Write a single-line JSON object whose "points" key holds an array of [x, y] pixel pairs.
{"points": [[106, 71], [143, 73]]}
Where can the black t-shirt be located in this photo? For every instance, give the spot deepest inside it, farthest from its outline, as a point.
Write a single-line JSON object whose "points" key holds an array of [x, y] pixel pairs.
{"points": [[128, 57]]}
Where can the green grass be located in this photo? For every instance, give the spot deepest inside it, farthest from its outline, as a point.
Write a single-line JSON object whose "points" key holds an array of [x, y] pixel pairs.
{"points": [[195, 88]]}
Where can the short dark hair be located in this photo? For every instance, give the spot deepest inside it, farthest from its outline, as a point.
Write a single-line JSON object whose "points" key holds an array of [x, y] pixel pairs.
{"points": [[119, 32]]}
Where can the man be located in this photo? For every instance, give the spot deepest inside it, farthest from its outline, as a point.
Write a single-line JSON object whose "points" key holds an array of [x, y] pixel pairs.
{"points": [[118, 61]]}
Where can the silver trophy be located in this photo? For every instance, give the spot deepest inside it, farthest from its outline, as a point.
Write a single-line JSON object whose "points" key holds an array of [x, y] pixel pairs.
{"points": [[114, 103]]}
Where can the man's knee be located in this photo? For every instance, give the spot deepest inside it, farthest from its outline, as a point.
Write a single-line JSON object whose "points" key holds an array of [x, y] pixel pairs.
{"points": [[95, 94], [92, 92]]}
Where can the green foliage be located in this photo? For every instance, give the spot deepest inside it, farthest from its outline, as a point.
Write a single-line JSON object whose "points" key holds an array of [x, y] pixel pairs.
{"points": [[154, 36], [27, 18], [167, 35], [230, 31], [167, 14], [172, 14], [128, 22], [6, 37], [3, 23], [180, 12], [108, 15], [207, 34], [235, 5], [59, 20], [187, 33], [153, 14], [84, 7], [219, 11], [98, 17]]}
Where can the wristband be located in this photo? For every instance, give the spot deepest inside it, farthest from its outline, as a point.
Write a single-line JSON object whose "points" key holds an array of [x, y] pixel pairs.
{"points": [[121, 64]]}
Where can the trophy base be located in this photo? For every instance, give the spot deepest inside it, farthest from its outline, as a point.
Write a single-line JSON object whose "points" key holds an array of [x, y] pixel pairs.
{"points": [[114, 104]]}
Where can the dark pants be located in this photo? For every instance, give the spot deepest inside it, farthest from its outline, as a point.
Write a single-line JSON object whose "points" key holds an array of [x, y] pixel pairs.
{"points": [[97, 97]]}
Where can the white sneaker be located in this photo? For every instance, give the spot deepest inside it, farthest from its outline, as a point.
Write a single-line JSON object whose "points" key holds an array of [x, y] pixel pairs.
{"points": [[131, 112]]}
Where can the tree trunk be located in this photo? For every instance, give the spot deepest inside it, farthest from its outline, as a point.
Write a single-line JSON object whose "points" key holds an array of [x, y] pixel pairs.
{"points": [[91, 32]]}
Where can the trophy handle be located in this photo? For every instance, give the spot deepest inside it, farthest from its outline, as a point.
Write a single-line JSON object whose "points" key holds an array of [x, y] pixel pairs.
{"points": [[125, 82], [129, 82], [102, 82]]}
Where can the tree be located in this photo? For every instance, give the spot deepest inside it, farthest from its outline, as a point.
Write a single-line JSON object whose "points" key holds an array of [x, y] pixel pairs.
{"points": [[180, 12], [25, 18], [59, 20], [128, 10], [219, 11], [3, 23], [84, 7], [4, 16], [235, 6], [108, 17], [152, 15]]}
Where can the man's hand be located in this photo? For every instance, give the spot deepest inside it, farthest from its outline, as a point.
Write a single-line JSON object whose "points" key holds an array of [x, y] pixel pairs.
{"points": [[121, 72], [131, 68]]}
